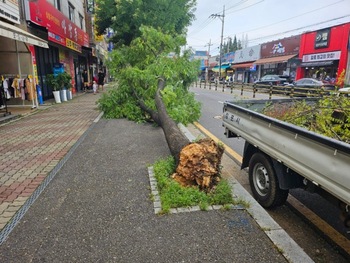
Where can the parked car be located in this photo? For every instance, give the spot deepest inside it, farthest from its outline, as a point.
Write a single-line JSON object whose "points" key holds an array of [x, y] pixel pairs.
{"points": [[310, 85], [345, 91], [275, 80]]}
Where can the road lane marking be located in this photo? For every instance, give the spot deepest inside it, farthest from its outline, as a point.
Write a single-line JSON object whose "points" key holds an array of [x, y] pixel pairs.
{"points": [[230, 152]]}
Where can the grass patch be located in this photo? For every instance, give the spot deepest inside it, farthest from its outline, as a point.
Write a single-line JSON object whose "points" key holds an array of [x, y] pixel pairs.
{"points": [[173, 195]]}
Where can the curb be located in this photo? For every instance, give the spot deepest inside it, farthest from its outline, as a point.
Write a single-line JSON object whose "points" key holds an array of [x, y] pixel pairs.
{"points": [[287, 246]]}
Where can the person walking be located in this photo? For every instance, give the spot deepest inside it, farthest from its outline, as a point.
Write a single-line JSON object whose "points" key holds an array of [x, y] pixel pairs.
{"points": [[85, 79], [101, 79], [94, 87]]}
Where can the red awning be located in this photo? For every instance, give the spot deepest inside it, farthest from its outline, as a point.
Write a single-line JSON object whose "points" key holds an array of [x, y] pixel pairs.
{"points": [[278, 59], [243, 65]]}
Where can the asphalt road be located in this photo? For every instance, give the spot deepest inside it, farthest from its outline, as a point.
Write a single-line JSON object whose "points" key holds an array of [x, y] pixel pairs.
{"points": [[212, 104]]}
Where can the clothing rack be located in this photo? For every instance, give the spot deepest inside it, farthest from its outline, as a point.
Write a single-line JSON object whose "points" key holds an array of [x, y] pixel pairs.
{"points": [[24, 76]]}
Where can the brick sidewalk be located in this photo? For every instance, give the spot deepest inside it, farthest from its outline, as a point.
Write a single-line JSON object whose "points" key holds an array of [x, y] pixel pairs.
{"points": [[31, 147]]}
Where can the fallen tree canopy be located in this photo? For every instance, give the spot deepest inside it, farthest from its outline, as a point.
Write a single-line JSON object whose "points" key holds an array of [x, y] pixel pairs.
{"points": [[155, 86]]}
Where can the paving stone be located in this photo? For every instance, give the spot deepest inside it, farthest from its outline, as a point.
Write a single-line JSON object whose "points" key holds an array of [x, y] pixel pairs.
{"points": [[3, 207], [4, 220], [8, 214]]}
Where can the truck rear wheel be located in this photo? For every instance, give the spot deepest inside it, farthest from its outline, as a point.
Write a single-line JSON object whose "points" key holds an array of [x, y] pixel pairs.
{"points": [[264, 182]]}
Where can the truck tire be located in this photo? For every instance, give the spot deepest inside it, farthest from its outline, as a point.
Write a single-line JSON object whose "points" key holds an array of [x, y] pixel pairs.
{"points": [[264, 182]]}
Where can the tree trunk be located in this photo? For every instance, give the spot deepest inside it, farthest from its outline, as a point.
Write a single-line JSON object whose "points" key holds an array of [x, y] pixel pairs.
{"points": [[197, 163], [175, 138]]}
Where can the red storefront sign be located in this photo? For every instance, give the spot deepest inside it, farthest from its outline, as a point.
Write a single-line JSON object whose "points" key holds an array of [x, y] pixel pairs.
{"points": [[330, 44], [60, 29]]}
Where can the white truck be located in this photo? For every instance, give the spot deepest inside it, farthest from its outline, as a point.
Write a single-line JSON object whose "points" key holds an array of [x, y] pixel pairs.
{"points": [[283, 156]]}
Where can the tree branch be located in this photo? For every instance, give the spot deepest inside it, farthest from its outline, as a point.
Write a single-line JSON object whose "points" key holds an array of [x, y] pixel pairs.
{"points": [[143, 106]]}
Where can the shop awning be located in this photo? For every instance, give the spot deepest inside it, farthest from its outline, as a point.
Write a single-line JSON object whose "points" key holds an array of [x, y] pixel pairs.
{"points": [[243, 65], [223, 68], [279, 59], [15, 33], [316, 63]]}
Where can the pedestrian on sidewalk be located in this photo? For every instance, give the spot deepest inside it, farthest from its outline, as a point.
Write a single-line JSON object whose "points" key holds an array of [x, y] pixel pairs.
{"points": [[85, 79], [94, 87], [101, 79]]}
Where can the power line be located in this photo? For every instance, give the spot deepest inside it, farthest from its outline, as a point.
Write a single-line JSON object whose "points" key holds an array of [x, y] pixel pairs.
{"points": [[292, 30], [208, 20], [262, 27], [234, 11]]}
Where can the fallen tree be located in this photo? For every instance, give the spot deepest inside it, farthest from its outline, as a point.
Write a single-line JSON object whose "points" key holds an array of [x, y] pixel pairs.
{"points": [[154, 87]]}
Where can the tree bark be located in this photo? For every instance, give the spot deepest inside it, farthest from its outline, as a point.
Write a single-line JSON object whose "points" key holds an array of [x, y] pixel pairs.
{"points": [[175, 138]]}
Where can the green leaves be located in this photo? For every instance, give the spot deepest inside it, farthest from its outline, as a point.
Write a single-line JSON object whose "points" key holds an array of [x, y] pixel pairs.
{"points": [[330, 116], [126, 17], [138, 68]]}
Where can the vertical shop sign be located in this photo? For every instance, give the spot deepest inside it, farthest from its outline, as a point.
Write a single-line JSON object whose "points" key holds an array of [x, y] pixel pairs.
{"points": [[35, 70], [322, 38]]}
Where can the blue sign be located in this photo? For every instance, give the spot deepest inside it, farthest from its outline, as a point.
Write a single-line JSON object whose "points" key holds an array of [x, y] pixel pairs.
{"points": [[58, 68], [252, 67]]}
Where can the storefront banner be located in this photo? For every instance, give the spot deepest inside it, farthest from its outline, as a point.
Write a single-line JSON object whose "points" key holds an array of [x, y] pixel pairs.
{"points": [[60, 29], [322, 56], [247, 54], [286, 46], [10, 31], [32, 51], [9, 10]]}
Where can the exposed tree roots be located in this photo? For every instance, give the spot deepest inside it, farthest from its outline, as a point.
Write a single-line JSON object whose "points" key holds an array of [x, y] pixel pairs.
{"points": [[200, 164]]}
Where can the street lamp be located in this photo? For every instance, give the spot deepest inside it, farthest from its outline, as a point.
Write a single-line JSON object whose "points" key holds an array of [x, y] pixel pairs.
{"points": [[222, 18]]}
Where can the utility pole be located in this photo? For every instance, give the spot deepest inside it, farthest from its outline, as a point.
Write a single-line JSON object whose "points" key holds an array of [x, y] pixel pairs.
{"points": [[222, 18], [206, 71]]}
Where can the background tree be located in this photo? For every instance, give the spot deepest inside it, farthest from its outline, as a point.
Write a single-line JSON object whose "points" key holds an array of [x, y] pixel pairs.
{"points": [[234, 44], [126, 17]]}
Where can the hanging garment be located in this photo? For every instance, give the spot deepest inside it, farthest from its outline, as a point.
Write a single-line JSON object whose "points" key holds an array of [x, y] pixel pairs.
{"points": [[15, 86], [2, 96], [6, 88], [29, 89]]}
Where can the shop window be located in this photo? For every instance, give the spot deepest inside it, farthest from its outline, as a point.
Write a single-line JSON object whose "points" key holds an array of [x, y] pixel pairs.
{"points": [[71, 10]]}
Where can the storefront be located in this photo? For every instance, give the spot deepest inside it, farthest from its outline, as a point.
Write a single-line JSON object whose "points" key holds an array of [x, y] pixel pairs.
{"points": [[66, 41], [243, 64], [324, 53], [18, 86], [279, 57]]}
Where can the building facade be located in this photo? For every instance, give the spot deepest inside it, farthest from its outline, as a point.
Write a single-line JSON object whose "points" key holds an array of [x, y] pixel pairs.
{"points": [[63, 22], [16, 45], [280, 57], [243, 64], [324, 52], [40, 37]]}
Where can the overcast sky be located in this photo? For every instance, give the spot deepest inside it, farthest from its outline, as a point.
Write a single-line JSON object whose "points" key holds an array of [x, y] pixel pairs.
{"points": [[261, 20]]}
